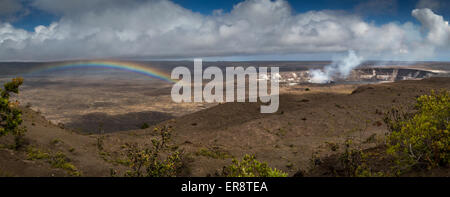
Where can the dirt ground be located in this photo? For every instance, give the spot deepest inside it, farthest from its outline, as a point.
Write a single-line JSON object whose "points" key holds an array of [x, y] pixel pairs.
{"points": [[310, 119]]}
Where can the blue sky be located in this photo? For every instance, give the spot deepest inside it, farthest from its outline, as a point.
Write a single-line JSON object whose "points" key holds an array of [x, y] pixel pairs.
{"points": [[400, 13], [407, 30]]}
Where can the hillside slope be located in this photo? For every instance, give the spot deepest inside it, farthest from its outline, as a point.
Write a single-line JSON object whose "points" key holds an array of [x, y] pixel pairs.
{"points": [[307, 122]]}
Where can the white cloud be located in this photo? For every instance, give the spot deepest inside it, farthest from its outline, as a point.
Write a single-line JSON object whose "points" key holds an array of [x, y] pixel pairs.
{"points": [[160, 29], [438, 28]]}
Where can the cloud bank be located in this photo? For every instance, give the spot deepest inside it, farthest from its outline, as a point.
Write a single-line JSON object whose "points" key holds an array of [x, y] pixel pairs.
{"points": [[163, 29]]}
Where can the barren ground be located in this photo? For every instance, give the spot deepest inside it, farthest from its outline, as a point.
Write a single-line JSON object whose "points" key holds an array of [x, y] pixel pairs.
{"points": [[307, 122]]}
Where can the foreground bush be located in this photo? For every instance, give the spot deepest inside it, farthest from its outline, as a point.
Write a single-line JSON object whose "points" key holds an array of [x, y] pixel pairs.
{"points": [[421, 139], [160, 160], [250, 167], [10, 115]]}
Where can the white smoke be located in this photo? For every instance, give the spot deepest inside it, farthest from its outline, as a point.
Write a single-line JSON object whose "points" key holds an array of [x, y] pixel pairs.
{"points": [[318, 76], [337, 69]]}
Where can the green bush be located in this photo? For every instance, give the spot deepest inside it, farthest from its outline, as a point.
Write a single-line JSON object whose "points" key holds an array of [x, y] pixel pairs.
{"points": [[145, 126], [250, 167], [36, 154], [161, 160], [354, 162], [214, 153], [422, 139], [60, 160], [10, 115], [57, 160]]}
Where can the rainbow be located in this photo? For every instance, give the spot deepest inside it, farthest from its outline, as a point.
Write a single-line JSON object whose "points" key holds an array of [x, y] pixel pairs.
{"points": [[108, 64]]}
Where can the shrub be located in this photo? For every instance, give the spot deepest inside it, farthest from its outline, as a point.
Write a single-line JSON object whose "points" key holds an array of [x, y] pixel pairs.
{"points": [[354, 163], [250, 167], [36, 154], [145, 126], [100, 143], [422, 139], [214, 153], [150, 162], [10, 115], [58, 160]]}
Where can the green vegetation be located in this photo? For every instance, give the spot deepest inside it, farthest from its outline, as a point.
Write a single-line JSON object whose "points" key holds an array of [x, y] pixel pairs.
{"points": [[99, 143], [57, 160], [161, 160], [36, 154], [56, 141], [354, 162], [333, 146], [10, 115], [60, 160], [289, 165], [371, 139], [214, 153], [339, 106], [145, 126], [417, 140], [121, 161], [250, 167], [421, 139], [281, 132]]}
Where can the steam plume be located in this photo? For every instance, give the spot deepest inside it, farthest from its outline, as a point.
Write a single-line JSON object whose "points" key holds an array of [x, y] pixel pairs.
{"points": [[339, 69]]}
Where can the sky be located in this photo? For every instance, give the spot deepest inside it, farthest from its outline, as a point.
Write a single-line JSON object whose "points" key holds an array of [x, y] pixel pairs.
{"points": [[46, 30]]}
